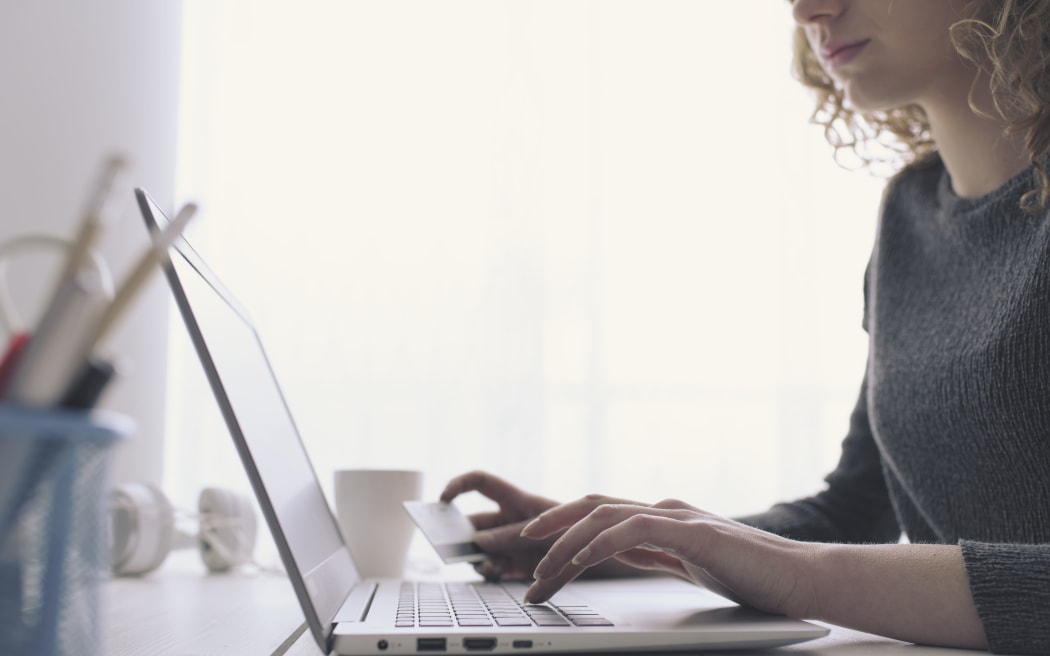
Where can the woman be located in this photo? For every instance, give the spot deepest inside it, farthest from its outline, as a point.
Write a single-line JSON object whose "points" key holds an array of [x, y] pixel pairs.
{"points": [[948, 443]]}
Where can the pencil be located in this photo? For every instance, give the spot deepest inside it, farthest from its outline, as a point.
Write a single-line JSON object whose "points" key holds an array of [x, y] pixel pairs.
{"points": [[140, 273], [100, 211]]}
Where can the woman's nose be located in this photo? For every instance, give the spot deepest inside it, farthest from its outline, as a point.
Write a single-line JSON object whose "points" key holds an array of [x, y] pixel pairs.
{"points": [[808, 12]]}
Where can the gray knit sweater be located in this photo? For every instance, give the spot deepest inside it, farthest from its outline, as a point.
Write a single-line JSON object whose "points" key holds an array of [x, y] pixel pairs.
{"points": [[950, 438]]}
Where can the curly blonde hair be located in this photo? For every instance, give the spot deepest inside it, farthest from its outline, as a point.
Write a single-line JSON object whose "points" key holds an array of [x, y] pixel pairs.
{"points": [[1007, 40]]}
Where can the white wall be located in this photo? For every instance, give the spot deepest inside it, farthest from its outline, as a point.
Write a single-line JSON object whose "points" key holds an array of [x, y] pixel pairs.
{"points": [[80, 80]]}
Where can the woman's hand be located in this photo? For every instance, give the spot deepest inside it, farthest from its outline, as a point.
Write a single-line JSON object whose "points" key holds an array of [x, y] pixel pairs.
{"points": [[499, 533], [742, 563], [912, 592]]}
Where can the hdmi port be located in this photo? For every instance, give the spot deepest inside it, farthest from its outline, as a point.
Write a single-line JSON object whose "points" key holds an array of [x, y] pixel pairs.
{"points": [[479, 644]]}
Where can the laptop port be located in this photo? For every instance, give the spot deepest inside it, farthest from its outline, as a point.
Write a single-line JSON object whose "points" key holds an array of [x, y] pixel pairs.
{"points": [[522, 644], [430, 644], [479, 644]]}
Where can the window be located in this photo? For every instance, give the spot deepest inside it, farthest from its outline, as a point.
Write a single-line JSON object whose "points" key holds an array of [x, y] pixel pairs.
{"points": [[588, 245]]}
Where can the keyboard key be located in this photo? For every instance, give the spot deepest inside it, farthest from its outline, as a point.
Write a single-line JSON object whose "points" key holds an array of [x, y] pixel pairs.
{"points": [[554, 620]]}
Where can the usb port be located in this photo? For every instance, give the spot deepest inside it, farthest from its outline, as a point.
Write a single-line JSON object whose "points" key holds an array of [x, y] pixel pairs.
{"points": [[522, 644], [430, 644], [479, 644]]}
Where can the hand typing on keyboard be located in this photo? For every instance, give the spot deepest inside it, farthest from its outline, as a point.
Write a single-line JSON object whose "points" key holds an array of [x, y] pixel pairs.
{"points": [[510, 556]]}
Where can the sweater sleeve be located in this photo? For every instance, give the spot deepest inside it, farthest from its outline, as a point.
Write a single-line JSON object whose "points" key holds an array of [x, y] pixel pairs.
{"points": [[854, 507], [1011, 588]]}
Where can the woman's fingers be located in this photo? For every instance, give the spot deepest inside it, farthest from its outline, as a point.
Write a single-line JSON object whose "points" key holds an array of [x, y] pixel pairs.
{"points": [[664, 530], [610, 530], [732, 559], [483, 521], [561, 517], [575, 545], [543, 589], [653, 560], [504, 537], [514, 503], [491, 486]]}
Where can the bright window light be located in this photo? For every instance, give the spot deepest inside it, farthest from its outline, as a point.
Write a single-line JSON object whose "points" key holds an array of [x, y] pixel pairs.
{"points": [[587, 245]]}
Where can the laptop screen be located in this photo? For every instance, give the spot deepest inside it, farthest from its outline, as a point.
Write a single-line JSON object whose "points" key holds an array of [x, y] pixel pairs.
{"points": [[263, 430]]}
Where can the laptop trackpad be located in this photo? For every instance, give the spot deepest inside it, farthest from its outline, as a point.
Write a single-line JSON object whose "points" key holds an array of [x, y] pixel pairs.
{"points": [[659, 601]]}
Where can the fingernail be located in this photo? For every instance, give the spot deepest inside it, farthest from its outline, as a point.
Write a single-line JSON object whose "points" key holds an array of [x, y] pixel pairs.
{"points": [[582, 557], [527, 531], [542, 569], [530, 596]]}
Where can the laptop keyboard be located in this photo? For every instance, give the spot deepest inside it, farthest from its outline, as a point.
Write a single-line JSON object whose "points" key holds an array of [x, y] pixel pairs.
{"points": [[485, 604]]}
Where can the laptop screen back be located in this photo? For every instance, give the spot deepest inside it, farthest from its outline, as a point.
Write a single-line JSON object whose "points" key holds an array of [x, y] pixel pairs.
{"points": [[266, 437]]}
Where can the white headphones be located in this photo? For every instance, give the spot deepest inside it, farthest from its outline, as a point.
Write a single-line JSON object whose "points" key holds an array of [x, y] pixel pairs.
{"points": [[142, 529]]}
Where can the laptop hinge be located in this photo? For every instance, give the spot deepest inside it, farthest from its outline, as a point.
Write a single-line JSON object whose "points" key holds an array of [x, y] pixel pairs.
{"points": [[357, 603]]}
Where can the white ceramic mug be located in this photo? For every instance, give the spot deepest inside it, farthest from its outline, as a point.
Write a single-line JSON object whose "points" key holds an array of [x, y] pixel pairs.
{"points": [[375, 526]]}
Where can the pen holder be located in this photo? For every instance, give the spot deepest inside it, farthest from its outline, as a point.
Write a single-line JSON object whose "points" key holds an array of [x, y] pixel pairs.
{"points": [[53, 480]]}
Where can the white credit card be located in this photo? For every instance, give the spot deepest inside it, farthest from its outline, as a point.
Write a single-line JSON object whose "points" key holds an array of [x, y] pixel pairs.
{"points": [[448, 530]]}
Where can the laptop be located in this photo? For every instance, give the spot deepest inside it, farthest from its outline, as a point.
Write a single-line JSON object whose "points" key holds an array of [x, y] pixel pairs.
{"points": [[350, 615]]}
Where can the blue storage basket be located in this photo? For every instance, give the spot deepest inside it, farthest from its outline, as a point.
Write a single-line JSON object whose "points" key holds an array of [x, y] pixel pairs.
{"points": [[53, 490]]}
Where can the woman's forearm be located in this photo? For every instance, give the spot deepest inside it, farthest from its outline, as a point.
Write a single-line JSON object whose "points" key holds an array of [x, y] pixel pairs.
{"points": [[916, 593]]}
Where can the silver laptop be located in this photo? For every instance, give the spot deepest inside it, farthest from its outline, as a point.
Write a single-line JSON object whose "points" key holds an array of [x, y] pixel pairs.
{"points": [[349, 615]]}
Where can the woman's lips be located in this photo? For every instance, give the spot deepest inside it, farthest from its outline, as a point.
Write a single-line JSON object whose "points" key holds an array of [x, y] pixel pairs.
{"points": [[836, 55]]}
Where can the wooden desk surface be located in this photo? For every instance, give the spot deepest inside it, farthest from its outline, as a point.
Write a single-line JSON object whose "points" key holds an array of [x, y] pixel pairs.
{"points": [[181, 610]]}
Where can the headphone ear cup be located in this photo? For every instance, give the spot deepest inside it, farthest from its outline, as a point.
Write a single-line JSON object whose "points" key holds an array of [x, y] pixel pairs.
{"points": [[142, 528], [227, 529]]}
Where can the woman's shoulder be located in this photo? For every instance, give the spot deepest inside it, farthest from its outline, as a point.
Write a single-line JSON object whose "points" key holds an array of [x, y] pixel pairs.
{"points": [[919, 182], [925, 172]]}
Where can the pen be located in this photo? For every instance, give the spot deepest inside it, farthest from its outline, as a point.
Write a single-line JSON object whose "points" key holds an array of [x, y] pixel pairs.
{"points": [[100, 211], [88, 384], [140, 273], [75, 322], [56, 349], [48, 360], [15, 348]]}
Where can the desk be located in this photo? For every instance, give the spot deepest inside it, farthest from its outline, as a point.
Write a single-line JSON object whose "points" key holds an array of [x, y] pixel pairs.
{"points": [[180, 610]]}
